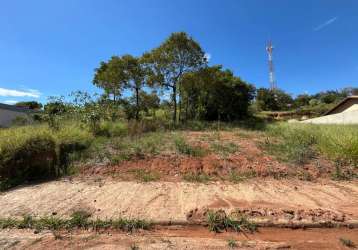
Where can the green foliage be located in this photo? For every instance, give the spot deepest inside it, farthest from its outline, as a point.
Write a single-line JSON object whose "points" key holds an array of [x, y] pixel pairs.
{"points": [[203, 91], [219, 221], [166, 65], [273, 100], [26, 154], [300, 142], [194, 177], [347, 242], [184, 148], [36, 152], [79, 219]]}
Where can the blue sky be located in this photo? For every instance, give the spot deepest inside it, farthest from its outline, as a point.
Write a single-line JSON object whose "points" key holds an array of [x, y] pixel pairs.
{"points": [[52, 47]]}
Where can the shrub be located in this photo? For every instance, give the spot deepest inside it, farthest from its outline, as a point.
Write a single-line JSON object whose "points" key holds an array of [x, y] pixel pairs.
{"points": [[26, 155]]}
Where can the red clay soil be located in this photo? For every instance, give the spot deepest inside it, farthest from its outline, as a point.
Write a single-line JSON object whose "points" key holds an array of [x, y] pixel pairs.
{"points": [[191, 237], [249, 159]]}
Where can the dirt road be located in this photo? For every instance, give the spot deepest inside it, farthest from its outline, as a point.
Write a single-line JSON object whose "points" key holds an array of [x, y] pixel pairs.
{"points": [[190, 237], [283, 201]]}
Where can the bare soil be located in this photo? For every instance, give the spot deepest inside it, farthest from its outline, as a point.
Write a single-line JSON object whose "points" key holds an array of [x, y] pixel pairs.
{"points": [[192, 237], [267, 201]]}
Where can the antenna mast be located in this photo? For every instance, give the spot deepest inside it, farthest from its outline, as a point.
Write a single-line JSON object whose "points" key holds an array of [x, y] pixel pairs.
{"points": [[272, 80]]}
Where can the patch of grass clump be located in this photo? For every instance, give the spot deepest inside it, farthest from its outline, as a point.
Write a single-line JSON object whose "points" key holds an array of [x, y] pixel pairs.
{"points": [[219, 221], [79, 219], [347, 242], [197, 177], [231, 243], [184, 148], [145, 175], [224, 149]]}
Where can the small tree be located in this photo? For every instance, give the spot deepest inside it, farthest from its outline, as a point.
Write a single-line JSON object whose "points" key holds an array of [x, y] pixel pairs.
{"points": [[179, 54]]}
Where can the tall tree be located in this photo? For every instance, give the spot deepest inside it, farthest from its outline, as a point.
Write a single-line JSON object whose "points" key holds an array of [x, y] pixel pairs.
{"points": [[177, 55], [111, 77], [135, 76]]}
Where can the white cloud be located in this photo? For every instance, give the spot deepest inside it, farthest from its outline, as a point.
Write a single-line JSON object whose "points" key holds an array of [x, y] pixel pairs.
{"points": [[207, 56], [20, 93], [326, 23], [11, 102]]}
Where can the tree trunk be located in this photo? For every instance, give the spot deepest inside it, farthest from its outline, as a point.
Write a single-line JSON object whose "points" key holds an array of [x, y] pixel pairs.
{"points": [[175, 103], [137, 104]]}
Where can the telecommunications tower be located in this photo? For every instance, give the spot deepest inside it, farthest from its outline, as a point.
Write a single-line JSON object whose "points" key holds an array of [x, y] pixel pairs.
{"points": [[272, 80]]}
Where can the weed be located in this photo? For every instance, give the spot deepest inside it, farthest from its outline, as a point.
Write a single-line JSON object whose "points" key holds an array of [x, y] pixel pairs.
{"points": [[79, 219], [192, 177], [219, 221], [231, 243], [343, 175], [347, 242]]}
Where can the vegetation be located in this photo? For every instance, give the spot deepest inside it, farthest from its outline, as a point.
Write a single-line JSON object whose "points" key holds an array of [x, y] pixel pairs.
{"points": [[299, 143], [219, 221], [347, 242], [110, 128], [78, 219]]}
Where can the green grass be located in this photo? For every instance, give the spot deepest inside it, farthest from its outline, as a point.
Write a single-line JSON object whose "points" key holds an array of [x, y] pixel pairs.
{"points": [[185, 148], [79, 219], [219, 221], [36, 152], [224, 149], [299, 143], [145, 175]]}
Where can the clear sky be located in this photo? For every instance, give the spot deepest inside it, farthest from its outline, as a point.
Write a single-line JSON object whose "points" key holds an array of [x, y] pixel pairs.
{"points": [[52, 47]]}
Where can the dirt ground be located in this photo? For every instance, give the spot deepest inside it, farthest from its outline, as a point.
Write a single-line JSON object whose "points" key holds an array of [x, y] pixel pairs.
{"points": [[191, 237], [269, 201]]}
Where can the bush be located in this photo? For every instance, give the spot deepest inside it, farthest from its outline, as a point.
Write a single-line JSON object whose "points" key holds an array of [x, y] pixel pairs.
{"points": [[26, 155]]}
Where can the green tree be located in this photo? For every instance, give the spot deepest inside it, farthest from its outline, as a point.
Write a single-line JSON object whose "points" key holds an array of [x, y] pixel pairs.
{"points": [[273, 100], [215, 94], [111, 77], [177, 55], [135, 76]]}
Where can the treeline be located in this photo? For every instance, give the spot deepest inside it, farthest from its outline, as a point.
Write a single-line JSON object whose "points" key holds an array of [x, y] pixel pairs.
{"points": [[278, 100], [177, 67]]}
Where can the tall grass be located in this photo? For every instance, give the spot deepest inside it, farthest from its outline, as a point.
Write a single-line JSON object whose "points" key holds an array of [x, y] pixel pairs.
{"points": [[37, 152], [301, 142]]}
